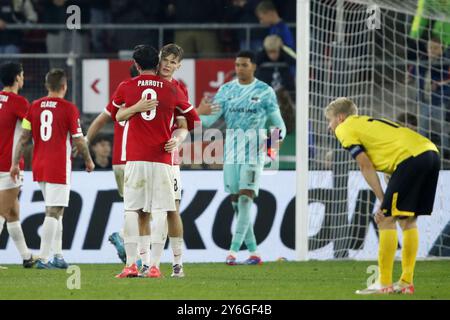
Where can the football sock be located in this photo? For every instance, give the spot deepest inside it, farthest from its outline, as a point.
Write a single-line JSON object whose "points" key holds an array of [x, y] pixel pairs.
{"points": [[386, 254], [57, 244], [159, 227], [250, 240], [232, 253], [2, 223], [144, 247], [48, 235], [243, 221], [177, 248], [131, 236], [16, 233], [409, 253]]}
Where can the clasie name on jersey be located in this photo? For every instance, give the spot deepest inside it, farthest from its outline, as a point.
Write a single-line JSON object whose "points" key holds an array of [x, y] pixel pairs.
{"points": [[48, 104], [150, 83]]}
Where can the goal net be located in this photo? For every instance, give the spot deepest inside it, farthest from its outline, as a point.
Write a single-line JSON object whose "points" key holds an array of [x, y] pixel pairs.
{"points": [[392, 58]]}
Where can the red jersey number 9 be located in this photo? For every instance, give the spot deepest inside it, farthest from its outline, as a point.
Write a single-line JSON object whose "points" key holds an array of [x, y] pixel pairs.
{"points": [[149, 115]]}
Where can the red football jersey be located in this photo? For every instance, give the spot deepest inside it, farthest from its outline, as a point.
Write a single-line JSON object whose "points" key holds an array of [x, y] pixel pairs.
{"points": [[176, 157], [54, 122], [118, 133], [145, 134], [13, 109]]}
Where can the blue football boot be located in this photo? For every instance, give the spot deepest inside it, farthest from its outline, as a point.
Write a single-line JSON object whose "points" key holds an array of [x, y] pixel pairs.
{"points": [[42, 265], [59, 262], [117, 241]]}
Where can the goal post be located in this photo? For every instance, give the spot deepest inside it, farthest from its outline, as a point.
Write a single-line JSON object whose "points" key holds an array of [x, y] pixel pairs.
{"points": [[302, 116]]}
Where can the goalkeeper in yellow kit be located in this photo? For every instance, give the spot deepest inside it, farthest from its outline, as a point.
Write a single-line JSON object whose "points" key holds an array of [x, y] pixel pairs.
{"points": [[413, 163]]}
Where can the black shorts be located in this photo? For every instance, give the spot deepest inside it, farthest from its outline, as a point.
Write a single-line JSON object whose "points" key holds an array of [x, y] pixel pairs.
{"points": [[412, 187]]}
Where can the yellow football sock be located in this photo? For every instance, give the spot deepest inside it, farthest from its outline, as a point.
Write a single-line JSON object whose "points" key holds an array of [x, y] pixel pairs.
{"points": [[386, 254], [409, 254]]}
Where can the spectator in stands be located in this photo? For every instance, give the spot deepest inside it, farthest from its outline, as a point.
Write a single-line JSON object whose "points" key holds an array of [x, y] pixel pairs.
{"points": [[287, 9], [440, 91], [276, 64], [196, 42], [135, 12], [65, 41], [101, 150], [268, 16], [101, 14], [242, 12], [14, 11], [433, 111]]}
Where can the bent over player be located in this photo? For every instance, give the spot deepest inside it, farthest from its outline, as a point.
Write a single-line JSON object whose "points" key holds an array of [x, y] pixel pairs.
{"points": [[413, 163]]}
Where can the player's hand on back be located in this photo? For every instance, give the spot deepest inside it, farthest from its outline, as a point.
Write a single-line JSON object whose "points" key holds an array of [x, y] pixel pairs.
{"points": [[145, 105], [172, 144]]}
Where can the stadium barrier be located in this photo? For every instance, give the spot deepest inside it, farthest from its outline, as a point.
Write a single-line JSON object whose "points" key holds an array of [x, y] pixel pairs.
{"points": [[96, 210]]}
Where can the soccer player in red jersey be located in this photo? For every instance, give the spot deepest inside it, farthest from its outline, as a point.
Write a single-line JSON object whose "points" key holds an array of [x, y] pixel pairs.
{"points": [[171, 56], [148, 172], [109, 114], [170, 61], [13, 109], [53, 123]]}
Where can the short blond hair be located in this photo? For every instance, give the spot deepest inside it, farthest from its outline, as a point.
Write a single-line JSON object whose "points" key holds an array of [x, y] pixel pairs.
{"points": [[342, 105], [272, 42]]}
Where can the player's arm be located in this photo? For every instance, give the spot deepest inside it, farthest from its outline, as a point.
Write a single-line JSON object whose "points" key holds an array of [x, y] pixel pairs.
{"points": [[20, 147], [83, 149], [207, 108], [96, 125], [370, 174], [276, 120], [219, 100], [178, 136], [142, 105], [78, 138], [349, 139]]}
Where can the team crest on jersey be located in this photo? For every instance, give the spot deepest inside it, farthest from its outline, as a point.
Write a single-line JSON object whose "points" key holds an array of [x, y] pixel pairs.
{"points": [[255, 99]]}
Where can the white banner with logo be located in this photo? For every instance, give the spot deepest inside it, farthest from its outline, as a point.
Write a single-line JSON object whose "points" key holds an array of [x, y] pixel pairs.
{"points": [[96, 211]]}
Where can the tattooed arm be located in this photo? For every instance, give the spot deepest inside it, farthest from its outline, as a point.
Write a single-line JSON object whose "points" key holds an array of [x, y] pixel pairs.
{"points": [[83, 149], [14, 172]]}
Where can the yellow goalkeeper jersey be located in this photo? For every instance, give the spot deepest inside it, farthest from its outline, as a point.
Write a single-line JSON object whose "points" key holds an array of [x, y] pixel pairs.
{"points": [[385, 142]]}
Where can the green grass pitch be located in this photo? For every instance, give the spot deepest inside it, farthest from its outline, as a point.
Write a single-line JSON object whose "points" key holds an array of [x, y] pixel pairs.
{"points": [[270, 281]]}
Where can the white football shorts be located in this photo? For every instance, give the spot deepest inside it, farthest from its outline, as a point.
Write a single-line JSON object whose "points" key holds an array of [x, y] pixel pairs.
{"points": [[55, 195], [148, 186]]}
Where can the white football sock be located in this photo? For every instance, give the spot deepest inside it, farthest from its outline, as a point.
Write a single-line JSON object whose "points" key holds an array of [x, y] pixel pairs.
{"points": [[159, 227], [232, 253], [57, 244], [48, 235], [16, 233], [177, 248], [144, 247], [131, 236]]}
